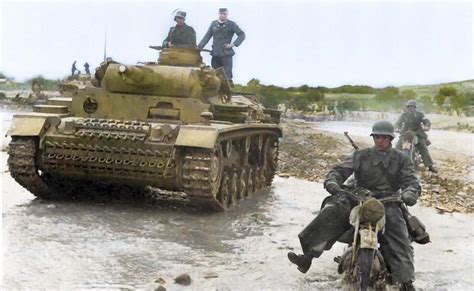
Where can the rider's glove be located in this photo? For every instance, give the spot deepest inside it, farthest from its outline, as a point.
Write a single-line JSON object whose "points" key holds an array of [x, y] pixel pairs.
{"points": [[332, 187], [409, 197]]}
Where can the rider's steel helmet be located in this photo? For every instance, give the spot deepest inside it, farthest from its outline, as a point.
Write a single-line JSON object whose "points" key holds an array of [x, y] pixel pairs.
{"points": [[412, 103], [383, 128], [180, 14]]}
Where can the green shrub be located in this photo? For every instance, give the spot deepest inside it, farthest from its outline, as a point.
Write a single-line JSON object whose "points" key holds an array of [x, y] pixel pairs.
{"points": [[447, 91]]}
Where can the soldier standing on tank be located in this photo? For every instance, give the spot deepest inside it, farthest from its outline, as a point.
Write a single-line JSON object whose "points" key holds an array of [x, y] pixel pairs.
{"points": [[86, 68], [222, 31], [73, 68], [417, 122], [384, 171], [181, 35]]}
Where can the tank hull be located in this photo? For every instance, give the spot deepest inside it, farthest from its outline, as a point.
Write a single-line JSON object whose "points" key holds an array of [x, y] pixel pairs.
{"points": [[214, 164]]}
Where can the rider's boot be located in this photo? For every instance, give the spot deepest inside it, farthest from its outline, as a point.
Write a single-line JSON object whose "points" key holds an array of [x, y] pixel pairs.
{"points": [[407, 286], [302, 261], [432, 169]]}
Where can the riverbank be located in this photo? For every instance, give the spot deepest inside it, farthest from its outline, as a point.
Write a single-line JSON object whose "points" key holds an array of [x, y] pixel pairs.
{"points": [[309, 150]]}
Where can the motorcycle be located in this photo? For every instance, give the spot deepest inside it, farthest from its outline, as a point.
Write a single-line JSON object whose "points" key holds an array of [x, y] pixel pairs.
{"points": [[362, 265], [409, 140]]}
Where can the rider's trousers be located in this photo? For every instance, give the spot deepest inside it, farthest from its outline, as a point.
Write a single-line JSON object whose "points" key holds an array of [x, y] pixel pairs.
{"points": [[422, 148]]}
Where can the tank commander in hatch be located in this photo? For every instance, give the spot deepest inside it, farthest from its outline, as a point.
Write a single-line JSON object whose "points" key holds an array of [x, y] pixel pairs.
{"points": [[222, 31], [181, 35]]}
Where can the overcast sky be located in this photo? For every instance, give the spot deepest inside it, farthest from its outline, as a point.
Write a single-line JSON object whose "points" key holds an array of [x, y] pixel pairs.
{"points": [[288, 43]]}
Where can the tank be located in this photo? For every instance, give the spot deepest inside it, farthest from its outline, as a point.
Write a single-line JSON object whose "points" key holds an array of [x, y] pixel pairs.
{"points": [[172, 124]]}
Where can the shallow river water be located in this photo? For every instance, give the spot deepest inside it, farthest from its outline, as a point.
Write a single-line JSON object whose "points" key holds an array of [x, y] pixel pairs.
{"points": [[116, 245], [120, 245]]}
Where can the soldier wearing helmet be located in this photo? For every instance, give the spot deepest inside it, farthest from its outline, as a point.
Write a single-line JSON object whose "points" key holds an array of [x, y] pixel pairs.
{"points": [[384, 171], [181, 35], [416, 121]]}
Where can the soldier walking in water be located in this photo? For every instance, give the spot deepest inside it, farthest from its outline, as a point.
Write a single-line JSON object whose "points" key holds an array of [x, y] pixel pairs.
{"points": [[222, 31], [181, 35]]}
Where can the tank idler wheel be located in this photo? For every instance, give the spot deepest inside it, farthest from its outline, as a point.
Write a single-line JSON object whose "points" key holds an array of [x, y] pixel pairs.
{"points": [[234, 189], [224, 193], [243, 184]]}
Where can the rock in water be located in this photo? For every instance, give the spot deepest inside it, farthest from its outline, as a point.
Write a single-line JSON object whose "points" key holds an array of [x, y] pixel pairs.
{"points": [[183, 279], [160, 288]]}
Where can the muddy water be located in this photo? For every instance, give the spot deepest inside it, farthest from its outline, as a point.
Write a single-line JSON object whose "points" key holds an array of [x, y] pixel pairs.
{"points": [[92, 245], [117, 245]]}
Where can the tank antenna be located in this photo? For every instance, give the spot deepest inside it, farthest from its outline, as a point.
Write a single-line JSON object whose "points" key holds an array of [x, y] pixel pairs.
{"points": [[105, 44]]}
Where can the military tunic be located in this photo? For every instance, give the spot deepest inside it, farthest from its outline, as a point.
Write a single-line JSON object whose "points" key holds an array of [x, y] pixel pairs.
{"points": [[222, 33], [412, 121], [181, 37], [383, 174]]}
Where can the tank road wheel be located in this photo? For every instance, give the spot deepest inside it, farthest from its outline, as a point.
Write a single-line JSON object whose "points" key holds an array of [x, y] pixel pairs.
{"points": [[271, 159], [228, 148], [247, 145], [257, 183], [224, 193], [250, 181], [234, 188], [243, 184]]}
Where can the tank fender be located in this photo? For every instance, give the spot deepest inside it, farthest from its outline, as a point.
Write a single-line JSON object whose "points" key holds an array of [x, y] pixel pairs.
{"points": [[31, 125], [197, 136]]}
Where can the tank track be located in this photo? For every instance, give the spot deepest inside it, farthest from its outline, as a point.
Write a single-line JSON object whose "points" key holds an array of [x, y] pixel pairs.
{"points": [[213, 183], [22, 166], [197, 183]]}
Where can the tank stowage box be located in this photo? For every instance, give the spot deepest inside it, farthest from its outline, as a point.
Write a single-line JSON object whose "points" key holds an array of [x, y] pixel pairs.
{"points": [[173, 125]]}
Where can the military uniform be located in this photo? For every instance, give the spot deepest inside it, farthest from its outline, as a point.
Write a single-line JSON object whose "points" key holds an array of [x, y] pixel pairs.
{"points": [[222, 33], [383, 174], [412, 121], [181, 36]]}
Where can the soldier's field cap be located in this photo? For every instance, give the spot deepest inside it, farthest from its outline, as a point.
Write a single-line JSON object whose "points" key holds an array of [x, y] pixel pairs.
{"points": [[223, 10]]}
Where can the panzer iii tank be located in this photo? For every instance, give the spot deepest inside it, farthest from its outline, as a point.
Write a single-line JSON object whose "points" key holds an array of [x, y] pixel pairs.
{"points": [[171, 124]]}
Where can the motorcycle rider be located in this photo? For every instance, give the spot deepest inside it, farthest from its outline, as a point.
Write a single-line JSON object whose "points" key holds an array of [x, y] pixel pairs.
{"points": [[417, 122], [384, 171]]}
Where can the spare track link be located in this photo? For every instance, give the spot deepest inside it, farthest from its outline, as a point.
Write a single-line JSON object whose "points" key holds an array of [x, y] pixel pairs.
{"points": [[22, 165], [197, 183]]}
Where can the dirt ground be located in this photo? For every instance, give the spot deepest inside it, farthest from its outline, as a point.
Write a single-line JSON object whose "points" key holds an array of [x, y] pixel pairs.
{"points": [[310, 149]]}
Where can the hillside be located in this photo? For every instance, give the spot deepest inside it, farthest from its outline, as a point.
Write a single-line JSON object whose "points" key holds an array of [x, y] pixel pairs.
{"points": [[432, 90]]}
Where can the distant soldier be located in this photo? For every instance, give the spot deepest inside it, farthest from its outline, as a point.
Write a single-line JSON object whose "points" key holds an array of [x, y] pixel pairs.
{"points": [[73, 68], [86, 68], [417, 122], [181, 35], [222, 31]]}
